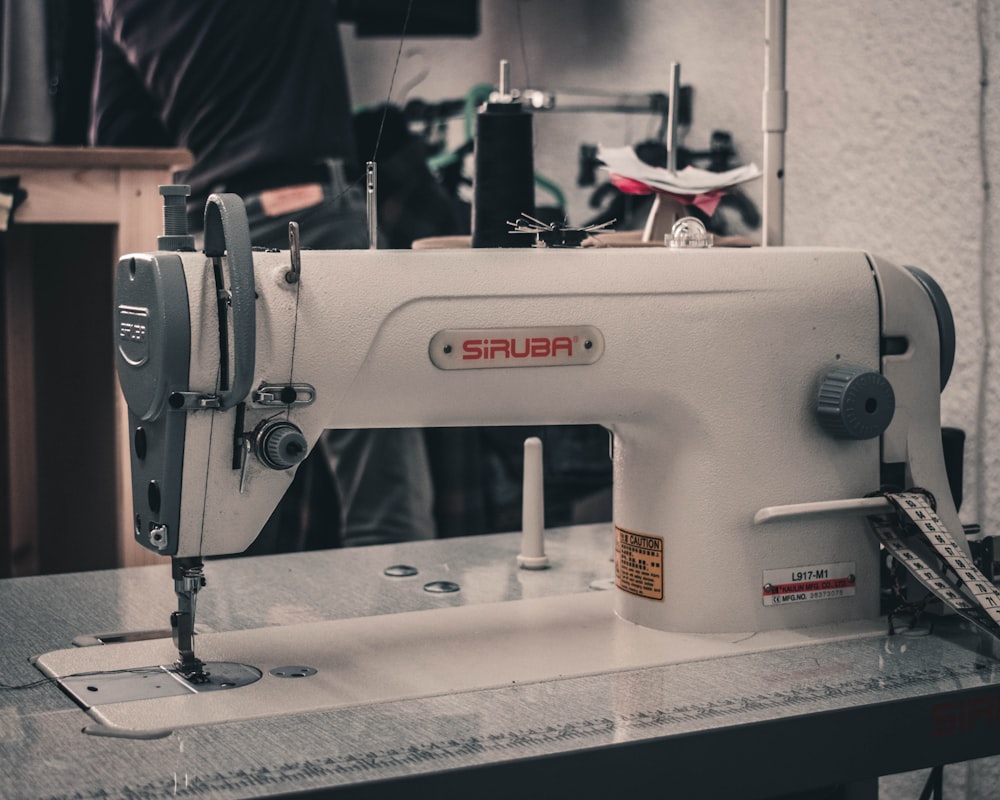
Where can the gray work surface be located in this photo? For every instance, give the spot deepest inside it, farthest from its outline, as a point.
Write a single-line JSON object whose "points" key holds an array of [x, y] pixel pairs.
{"points": [[744, 726]]}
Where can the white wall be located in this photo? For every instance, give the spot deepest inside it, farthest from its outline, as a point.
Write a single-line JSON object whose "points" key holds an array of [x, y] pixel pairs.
{"points": [[883, 148]]}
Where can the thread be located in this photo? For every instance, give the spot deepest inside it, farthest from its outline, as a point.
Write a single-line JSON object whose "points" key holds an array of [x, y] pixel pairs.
{"points": [[505, 175]]}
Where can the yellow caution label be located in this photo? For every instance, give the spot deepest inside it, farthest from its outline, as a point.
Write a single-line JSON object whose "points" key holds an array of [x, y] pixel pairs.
{"points": [[639, 563]]}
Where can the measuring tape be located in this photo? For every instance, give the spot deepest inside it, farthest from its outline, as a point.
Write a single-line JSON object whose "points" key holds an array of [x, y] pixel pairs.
{"points": [[955, 580]]}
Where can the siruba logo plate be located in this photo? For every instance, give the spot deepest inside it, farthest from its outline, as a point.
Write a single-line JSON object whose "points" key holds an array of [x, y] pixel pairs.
{"points": [[489, 348]]}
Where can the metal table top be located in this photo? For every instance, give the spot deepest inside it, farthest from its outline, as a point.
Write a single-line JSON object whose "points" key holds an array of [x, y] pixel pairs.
{"points": [[752, 725]]}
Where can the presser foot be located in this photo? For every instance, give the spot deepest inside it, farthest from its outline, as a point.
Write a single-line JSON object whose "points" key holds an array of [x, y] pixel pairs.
{"points": [[188, 580], [187, 664], [192, 670]]}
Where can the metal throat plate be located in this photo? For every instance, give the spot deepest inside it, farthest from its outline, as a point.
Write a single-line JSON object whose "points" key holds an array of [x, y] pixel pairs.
{"points": [[147, 683]]}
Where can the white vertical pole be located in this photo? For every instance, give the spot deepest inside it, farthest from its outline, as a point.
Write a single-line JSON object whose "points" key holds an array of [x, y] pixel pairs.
{"points": [[672, 111], [774, 122], [532, 555]]}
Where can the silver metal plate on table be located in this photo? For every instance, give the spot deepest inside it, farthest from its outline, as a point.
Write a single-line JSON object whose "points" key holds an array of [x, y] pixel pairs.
{"points": [[147, 683]]}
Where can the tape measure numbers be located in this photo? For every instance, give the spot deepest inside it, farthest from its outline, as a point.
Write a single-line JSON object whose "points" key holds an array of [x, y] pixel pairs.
{"points": [[916, 537]]}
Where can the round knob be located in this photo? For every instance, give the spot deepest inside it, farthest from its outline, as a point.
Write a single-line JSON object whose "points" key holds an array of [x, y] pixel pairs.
{"points": [[855, 403], [280, 445]]}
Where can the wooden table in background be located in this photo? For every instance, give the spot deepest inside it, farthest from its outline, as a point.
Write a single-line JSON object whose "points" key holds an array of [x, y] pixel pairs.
{"points": [[65, 497]]}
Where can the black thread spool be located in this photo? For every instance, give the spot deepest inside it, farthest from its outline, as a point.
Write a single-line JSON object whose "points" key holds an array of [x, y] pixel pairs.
{"points": [[505, 175]]}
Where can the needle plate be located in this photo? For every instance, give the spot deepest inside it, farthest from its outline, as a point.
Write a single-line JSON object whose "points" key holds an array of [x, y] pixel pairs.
{"points": [[147, 683]]}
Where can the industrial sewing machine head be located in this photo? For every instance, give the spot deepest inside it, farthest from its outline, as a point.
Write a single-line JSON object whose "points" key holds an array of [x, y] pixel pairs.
{"points": [[733, 380]]}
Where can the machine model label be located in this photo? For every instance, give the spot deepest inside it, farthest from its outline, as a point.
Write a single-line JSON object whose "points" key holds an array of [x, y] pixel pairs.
{"points": [[639, 563], [486, 348], [814, 582]]}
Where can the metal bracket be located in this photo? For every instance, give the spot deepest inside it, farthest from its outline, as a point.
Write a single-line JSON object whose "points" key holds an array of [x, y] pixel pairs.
{"points": [[193, 401], [159, 537], [286, 394], [295, 253]]}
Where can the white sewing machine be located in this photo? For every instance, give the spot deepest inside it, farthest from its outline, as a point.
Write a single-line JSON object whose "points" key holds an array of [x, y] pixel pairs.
{"points": [[706, 364], [739, 384]]}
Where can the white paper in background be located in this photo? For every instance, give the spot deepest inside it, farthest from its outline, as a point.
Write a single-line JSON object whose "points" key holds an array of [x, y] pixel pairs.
{"points": [[688, 181]]}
